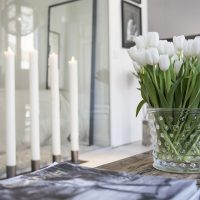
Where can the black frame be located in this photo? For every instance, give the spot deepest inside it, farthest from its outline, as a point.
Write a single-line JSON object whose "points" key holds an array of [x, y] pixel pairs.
{"points": [[125, 43], [93, 61], [136, 1]]}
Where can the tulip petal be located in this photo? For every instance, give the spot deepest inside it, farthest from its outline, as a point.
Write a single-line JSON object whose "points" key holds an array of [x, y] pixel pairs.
{"points": [[164, 62], [149, 58], [140, 42], [177, 66], [179, 42], [152, 39]]}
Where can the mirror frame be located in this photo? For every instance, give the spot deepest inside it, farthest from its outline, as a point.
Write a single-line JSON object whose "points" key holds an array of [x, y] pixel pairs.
{"points": [[93, 60]]}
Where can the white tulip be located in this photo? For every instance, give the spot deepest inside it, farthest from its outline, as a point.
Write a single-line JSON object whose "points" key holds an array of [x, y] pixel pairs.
{"points": [[192, 50], [196, 46], [161, 46], [141, 57], [172, 48], [179, 42], [164, 62], [148, 56], [136, 67], [152, 39], [133, 53], [155, 55], [177, 66], [174, 58], [188, 48], [140, 42], [137, 55], [186, 51], [169, 48]]}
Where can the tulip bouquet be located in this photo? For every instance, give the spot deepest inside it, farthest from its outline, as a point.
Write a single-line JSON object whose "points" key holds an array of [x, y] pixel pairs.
{"points": [[169, 77]]}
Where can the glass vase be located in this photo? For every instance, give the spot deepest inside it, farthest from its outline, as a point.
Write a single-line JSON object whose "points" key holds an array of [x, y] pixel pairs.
{"points": [[176, 139]]}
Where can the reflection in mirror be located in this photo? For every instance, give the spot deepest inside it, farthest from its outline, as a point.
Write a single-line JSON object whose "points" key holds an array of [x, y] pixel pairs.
{"points": [[23, 25], [71, 34], [54, 42], [19, 21]]}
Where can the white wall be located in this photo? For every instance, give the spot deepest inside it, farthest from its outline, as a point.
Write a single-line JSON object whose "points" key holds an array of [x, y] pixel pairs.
{"points": [[174, 17], [124, 96], [168, 17]]}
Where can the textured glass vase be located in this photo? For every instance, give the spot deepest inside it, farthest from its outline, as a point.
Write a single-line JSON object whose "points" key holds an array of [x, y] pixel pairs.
{"points": [[176, 139]]}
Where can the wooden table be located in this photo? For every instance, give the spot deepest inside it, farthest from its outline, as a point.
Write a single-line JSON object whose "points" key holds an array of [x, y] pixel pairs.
{"points": [[142, 164]]}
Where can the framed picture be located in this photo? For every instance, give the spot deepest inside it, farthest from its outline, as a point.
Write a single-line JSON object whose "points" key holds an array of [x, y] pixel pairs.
{"points": [[131, 23], [136, 1]]}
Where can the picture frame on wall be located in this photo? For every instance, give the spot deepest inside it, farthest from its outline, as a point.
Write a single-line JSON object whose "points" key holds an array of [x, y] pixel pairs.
{"points": [[131, 23], [137, 1]]}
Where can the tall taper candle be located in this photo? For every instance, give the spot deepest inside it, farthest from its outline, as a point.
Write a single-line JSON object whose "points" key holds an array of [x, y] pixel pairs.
{"points": [[73, 89], [10, 113], [34, 105], [55, 101]]}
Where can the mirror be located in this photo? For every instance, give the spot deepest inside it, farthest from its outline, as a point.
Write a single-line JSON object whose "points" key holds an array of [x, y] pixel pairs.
{"points": [[71, 32]]}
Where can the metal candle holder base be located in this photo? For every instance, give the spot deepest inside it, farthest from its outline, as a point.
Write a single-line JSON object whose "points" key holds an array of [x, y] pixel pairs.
{"points": [[11, 171], [35, 165], [56, 158], [74, 157]]}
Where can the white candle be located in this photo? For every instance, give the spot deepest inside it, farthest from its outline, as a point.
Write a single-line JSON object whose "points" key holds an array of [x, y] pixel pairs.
{"points": [[10, 108], [34, 105], [73, 89], [55, 100]]}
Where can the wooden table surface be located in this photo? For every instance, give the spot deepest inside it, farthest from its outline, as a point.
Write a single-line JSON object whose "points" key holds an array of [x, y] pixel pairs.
{"points": [[142, 164]]}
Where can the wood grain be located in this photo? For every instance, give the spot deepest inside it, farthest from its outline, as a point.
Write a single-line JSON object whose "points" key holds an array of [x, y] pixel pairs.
{"points": [[142, 164]]}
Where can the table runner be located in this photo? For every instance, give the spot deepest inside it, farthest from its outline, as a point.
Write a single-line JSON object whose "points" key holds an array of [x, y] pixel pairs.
{"points": [[142, 164]]}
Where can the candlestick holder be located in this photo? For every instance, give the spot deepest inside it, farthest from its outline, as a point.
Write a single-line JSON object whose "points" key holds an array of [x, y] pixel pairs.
{"points": [[35, 165], [11, 171], [56, 158], [75, 157]]}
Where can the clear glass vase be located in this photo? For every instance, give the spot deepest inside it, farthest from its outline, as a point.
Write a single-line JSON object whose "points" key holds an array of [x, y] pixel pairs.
{"points": [[176, 139]]}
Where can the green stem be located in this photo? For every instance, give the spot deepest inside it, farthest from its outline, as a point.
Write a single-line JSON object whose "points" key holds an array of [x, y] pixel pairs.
{"points": [[193, 144], [167, 139]]}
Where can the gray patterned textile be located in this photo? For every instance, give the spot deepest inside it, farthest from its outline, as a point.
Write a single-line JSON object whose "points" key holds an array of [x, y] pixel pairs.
{"points": [[68, 181]]}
